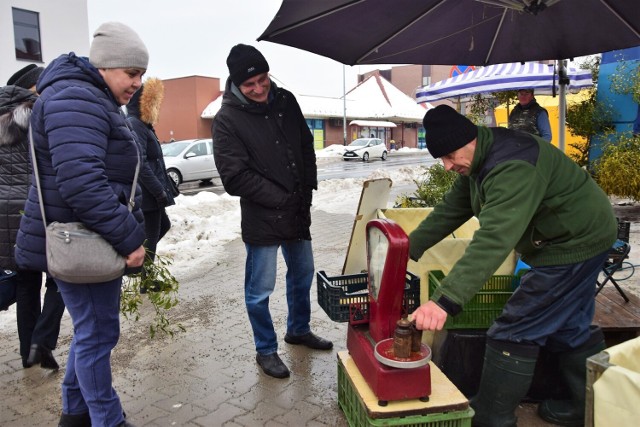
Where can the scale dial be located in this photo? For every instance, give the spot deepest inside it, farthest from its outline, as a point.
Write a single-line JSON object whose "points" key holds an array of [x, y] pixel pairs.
{"points": [[387, 255], [378, 247]]}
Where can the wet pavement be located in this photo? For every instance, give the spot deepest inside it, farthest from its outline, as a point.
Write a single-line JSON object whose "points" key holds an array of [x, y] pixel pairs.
{"points": [[207, 376]]}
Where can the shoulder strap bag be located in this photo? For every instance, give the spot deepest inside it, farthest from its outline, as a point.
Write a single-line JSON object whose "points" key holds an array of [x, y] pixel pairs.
{"points": [[74, 253]]}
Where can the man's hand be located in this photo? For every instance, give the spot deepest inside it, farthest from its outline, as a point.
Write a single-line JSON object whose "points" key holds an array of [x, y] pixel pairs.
{"points": [[429, 317], [136, 258]]}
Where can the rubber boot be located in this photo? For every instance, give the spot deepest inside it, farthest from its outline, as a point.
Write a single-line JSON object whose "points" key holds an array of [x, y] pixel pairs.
{"points": [[79, 420], [573, 368], [506, 376]]}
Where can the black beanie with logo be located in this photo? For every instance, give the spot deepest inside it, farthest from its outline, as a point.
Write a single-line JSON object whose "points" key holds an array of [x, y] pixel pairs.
{"points": [[244, 62]]}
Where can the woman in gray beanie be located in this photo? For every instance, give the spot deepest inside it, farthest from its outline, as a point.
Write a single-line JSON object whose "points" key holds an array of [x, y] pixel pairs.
{"points": [[87, 156]]}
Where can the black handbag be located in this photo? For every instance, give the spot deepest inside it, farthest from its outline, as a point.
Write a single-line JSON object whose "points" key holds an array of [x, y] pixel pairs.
{"points": [[7, 289]]}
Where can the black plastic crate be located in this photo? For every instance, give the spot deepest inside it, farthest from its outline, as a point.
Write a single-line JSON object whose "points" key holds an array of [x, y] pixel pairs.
{"points": [[346, 298]]}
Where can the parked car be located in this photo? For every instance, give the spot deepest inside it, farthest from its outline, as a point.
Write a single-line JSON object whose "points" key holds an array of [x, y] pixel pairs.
{"points": [[365, 148], [190, 160]]}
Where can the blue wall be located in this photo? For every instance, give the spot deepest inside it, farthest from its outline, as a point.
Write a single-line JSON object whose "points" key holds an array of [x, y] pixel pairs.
{"points": [[625, 109]]}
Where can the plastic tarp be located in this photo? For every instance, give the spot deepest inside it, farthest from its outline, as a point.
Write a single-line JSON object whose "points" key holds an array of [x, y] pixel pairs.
{"points": [[617, 391], [444, 254]]}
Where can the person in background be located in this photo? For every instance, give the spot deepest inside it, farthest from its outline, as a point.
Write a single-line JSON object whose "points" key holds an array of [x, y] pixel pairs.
{"points": [[264, 153], [143, 111], [87, 157], [529, 116], [529, 196], [38, 325]]}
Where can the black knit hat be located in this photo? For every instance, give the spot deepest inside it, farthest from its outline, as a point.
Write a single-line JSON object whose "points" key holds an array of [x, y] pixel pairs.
{"points": [[446, 130], [26, 77], [244, 62]]}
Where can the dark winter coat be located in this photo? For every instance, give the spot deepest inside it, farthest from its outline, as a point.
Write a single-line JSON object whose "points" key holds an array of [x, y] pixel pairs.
{"points": [[86, 158], [265, 154], [153, 174], [15, 109]]}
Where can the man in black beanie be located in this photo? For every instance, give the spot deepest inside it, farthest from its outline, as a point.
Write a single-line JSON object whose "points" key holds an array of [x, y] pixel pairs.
{"points": [[527, 196], [264, 153]]}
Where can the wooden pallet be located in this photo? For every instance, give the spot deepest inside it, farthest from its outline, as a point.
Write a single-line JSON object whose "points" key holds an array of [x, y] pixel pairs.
{"points": [[619, 320]]}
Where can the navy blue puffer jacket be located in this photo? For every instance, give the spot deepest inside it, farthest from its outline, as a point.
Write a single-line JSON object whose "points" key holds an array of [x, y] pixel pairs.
{"points": [[86, 159]]}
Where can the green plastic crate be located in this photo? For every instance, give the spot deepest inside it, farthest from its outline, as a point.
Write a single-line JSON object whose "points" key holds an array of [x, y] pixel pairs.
{"points": [[484, 307], [355, 412], [340, 295]]}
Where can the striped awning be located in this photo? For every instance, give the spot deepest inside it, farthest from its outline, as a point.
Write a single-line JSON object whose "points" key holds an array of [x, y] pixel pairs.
{"points": [[543, 78]]}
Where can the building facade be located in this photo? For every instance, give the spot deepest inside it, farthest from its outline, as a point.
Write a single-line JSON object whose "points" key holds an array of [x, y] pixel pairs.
{"points": [[37, 32], [184, 100]]}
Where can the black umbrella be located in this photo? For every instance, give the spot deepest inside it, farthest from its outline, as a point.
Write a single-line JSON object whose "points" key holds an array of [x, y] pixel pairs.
{"points": [[469, 32]]}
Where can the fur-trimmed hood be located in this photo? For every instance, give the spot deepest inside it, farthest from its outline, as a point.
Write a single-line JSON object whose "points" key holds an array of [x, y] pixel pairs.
{"points": [[145, 103], [15, 110]]}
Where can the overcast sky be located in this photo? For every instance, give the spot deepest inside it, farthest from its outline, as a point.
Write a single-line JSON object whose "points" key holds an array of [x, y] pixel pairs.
{"points": [[193, 37]]}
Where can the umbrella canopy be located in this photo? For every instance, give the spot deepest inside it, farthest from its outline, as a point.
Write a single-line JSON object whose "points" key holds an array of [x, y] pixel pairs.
{"points": [[499, 77], [469, 32]]}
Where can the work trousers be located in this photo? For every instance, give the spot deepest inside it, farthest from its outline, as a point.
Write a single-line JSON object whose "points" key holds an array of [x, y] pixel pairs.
{"points": [[552, 306]]}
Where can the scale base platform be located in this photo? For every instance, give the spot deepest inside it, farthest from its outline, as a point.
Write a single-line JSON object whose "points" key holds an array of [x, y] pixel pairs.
{"points": [[387, 383]]}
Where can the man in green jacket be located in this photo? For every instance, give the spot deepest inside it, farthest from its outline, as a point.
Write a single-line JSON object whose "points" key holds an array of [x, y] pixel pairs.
{"points": [[527, 196]]}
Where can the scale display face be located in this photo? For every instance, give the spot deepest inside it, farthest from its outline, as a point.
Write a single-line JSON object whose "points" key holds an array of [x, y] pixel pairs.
{"points": [[377, 248], [387, 255]]}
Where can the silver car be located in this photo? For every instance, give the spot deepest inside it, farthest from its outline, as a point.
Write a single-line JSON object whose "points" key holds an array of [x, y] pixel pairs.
{"points": [[190, 160], [364, 148]]}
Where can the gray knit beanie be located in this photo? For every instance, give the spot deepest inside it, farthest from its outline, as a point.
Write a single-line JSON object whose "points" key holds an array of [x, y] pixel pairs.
{"points": [[115, 45]]}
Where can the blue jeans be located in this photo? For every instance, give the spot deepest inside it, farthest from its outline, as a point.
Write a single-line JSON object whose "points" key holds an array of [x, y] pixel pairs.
{"points": [[553, 306], [87, 383], [260, 280]]}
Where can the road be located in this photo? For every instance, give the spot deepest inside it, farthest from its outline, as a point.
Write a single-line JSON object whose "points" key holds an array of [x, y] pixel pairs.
{"points": [[334, 169]]}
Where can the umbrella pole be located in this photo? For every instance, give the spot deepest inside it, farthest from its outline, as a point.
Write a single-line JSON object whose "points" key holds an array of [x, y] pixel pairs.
{"points": [[344, 106], [562, 103]]}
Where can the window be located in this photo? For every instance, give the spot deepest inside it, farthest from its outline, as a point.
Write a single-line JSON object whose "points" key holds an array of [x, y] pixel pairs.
{"points": [[26, 34], [200, 149]]}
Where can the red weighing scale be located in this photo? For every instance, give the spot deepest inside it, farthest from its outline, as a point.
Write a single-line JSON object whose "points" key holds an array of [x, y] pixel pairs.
{"points": [[370, 344]]}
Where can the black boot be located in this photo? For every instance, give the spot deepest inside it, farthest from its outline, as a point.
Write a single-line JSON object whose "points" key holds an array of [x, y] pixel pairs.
{"points": [[506, 377], [80, 420], [44, 356], [573, 367]]}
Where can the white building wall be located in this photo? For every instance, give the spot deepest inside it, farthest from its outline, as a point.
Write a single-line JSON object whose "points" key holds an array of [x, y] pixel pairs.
{"points": [[64, 28]]}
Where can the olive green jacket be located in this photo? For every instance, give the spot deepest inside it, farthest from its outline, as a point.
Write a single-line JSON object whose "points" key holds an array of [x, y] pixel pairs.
{"points": [[527, 195]]}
